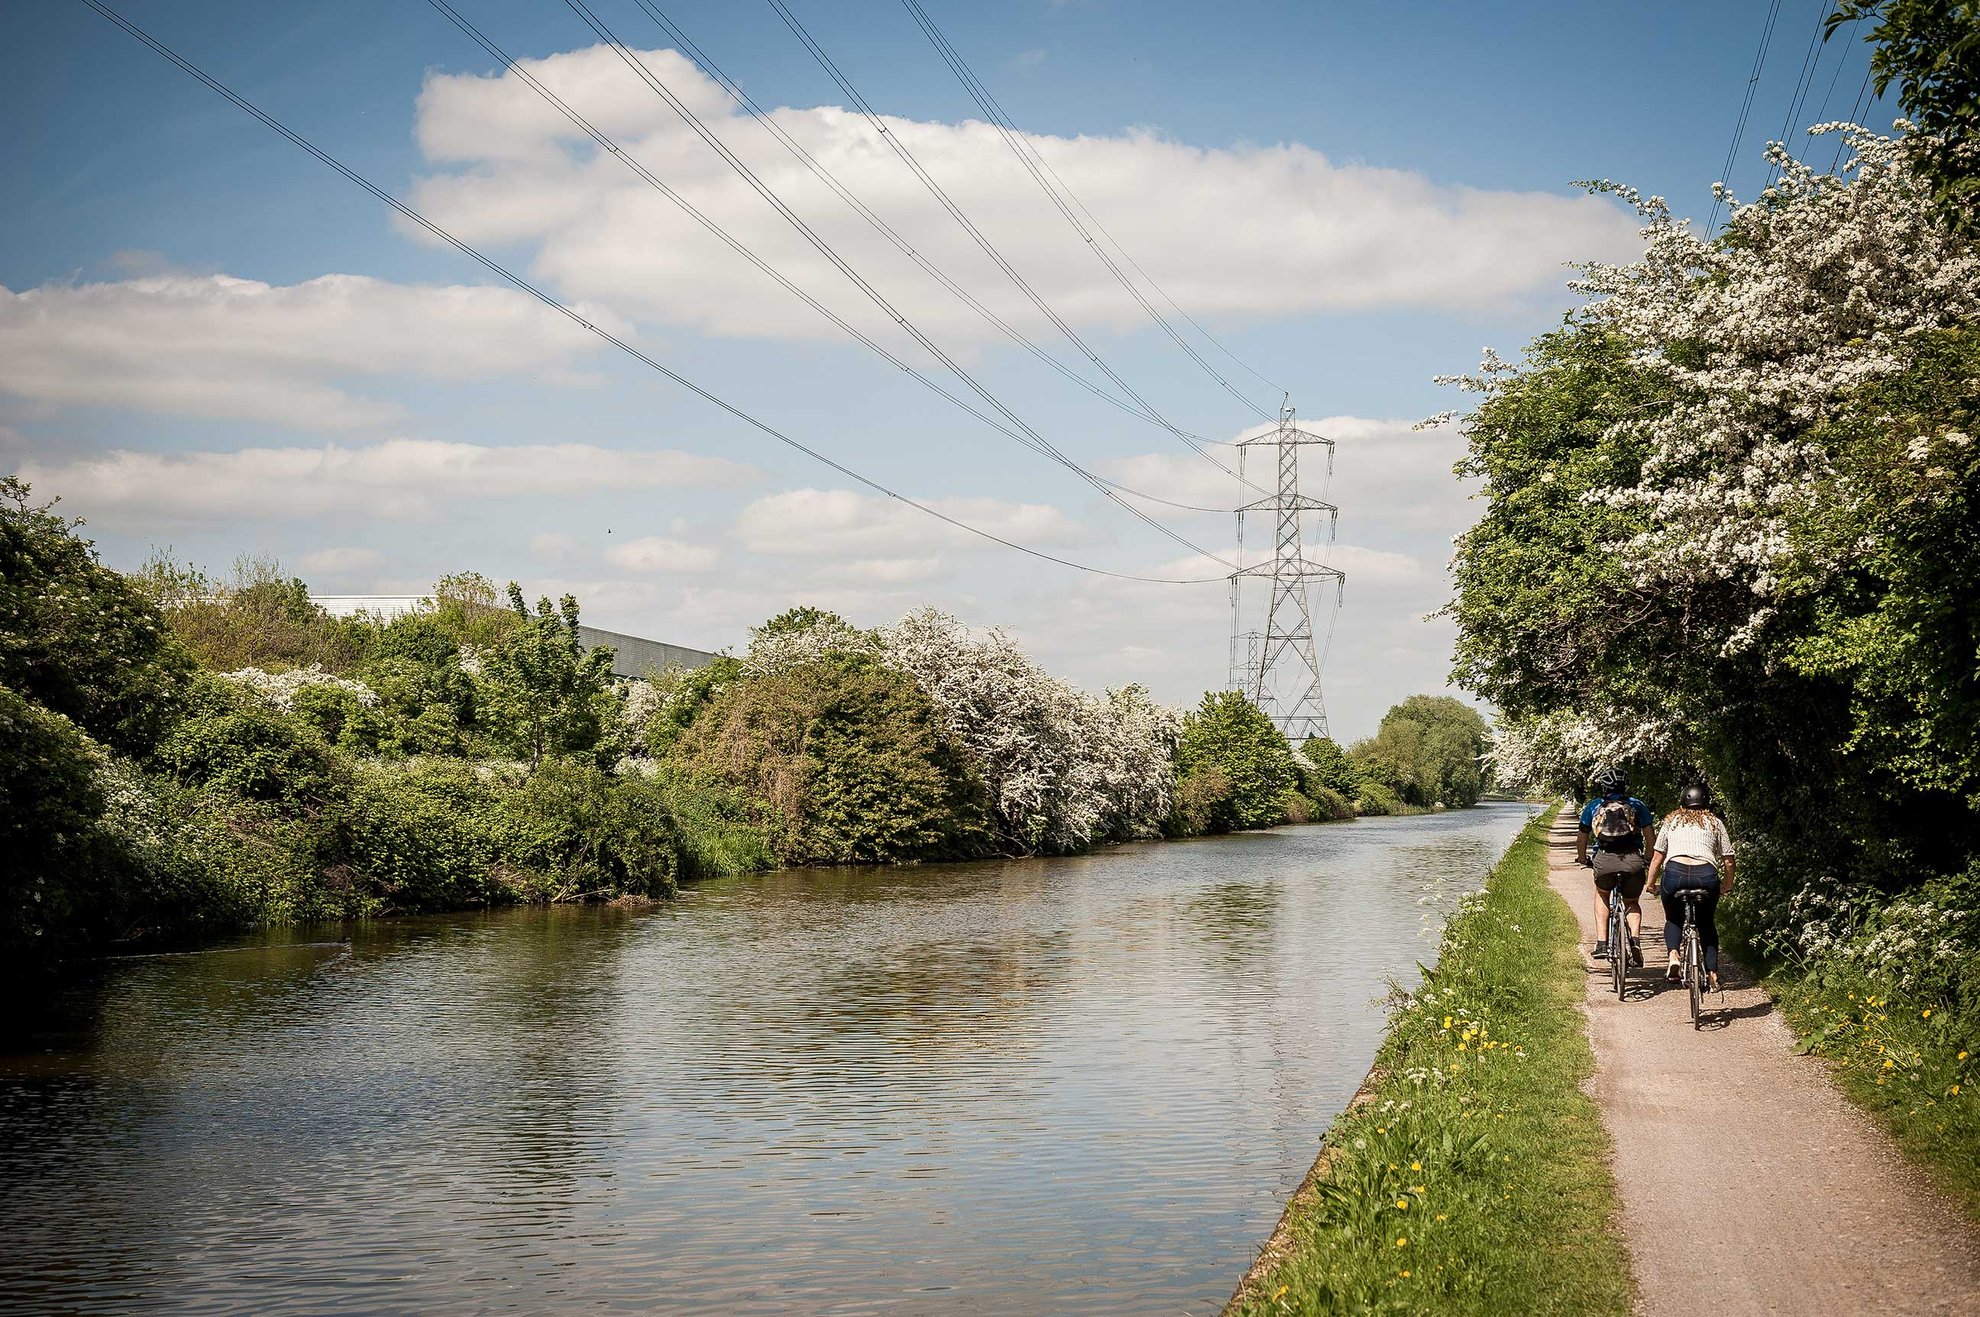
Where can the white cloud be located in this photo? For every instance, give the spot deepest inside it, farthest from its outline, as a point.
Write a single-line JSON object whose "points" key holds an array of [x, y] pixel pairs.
{"points": [[654, 554], [553, 547], [842, 524], [1238, 233], [219, 346], [398, 478], [341, 562]]}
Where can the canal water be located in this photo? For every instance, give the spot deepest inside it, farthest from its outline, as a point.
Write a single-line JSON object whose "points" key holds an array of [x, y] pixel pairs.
{"points": [[1048, 1086]]}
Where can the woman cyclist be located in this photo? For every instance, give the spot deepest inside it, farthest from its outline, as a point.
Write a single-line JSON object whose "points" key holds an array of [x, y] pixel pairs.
{"points": [[1693, 850]]}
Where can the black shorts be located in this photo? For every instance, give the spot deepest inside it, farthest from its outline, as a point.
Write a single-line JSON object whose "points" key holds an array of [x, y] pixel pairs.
{"points": [[1626, 870]]}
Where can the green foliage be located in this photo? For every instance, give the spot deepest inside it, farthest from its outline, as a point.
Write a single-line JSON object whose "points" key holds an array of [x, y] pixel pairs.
{"points": [[1331, 766], [1931, 50], [258, 619], [1474, 1178], [236, 743], [683, 696], [50, 847], [715, 839], [77, 638], [1427, 752], [603, 835], [1535, 576], [839, 760], [1375, 799], [1233, 768], [543, 693]]}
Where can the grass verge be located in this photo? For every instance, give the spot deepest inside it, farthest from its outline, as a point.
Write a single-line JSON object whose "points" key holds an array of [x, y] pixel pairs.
{"points": [[1904, 1057], [1472, 1175]]}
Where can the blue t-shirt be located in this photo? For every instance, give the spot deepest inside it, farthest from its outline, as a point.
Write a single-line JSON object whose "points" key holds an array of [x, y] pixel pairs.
{"points": [[1644, 818]]}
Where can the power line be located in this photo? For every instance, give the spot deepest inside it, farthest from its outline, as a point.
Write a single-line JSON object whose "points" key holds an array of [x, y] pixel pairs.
{"points": [[1091, 218], [1037, 441], [1822, 114], [1855, 116], [989, 248], [1034, 164], [576, 318], [1745, 107], [1804, 81], [879, 225]]}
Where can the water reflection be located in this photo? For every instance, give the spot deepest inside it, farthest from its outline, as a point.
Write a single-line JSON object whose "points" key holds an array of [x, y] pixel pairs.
{"points": [[1078, 1085]]}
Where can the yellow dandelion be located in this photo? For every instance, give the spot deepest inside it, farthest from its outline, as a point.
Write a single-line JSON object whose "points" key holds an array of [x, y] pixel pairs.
{"points": [[1888, 1063], [1962, 1056], [1442, 1216], [1280, 1292], [1403, 1274], [1953, 1091], [1925, 1014], [1416, 1166], [1416, 1188], [1447, 1021], [1402, 1204], [1402, 1241]]}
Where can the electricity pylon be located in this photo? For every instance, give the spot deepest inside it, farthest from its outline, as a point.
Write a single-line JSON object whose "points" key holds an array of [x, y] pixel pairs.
{"points": [[1277, 667]]}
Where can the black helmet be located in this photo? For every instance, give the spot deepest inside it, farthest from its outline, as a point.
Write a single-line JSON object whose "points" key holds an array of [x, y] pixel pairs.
{"points": [[1611, 782], [1696, 796]]}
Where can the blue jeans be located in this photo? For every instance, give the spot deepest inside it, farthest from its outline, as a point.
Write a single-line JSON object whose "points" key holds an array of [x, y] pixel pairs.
{"points": [[1679, 875]]}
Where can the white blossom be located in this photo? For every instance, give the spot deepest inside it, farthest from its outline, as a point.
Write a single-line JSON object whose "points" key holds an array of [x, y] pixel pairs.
{"points": [[281, 688]]}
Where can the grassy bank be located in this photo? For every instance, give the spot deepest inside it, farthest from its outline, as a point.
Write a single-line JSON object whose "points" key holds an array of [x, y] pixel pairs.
{"points": [[1891, 999], [1473, 1177]]}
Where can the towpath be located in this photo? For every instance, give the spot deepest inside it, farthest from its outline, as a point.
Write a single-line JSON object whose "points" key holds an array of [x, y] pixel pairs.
{"points": [[1748, 1183]]}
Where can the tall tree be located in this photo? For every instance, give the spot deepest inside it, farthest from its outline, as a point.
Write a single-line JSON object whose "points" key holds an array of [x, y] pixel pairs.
{"points": [[544, 692]]}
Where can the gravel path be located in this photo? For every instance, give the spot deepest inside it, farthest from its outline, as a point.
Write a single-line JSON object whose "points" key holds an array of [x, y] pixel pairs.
{"points": [[1748, 1183]]}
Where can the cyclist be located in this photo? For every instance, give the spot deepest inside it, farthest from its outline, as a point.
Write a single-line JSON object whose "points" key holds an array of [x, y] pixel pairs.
{"points": [[1619, 826], [1693, 850]]}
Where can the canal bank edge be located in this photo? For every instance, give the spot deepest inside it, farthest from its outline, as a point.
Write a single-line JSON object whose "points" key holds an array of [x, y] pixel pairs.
{"points": [[1470, 1172]]}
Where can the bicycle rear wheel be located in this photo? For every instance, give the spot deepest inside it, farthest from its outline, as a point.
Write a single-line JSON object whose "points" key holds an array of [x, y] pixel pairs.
{"points": [[1618, 947], [1694, 974]]}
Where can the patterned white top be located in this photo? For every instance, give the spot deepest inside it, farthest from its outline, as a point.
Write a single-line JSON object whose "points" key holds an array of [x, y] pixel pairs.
{"points": [[1694, 843]]}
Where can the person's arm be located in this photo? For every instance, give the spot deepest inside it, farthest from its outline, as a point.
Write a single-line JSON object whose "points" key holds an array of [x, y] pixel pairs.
{"points": [[1656, 867], [1581, 846], [1725, 857]]}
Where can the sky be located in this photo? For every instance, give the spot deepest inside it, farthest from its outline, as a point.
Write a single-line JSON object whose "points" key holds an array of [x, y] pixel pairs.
{"points": [[213, 345]]}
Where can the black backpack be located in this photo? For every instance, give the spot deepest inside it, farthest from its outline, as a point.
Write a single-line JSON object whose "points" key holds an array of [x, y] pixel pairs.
{"points": [[1614, 826]]}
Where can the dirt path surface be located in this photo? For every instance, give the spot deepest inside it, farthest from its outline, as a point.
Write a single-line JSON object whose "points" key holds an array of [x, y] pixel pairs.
{"points": [[1748, 1183]]}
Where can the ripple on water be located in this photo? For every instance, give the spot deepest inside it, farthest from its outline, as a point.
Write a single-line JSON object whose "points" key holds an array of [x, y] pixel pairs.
{"points": [[1082, 1086]]}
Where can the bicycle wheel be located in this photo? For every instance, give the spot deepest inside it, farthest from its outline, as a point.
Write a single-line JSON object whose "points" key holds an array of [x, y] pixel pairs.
{"points": [[1618, 947], [1694, 973]]}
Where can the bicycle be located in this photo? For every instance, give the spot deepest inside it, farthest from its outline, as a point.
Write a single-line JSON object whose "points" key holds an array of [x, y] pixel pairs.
{"points": [[1618, 939], [1692, 954]]}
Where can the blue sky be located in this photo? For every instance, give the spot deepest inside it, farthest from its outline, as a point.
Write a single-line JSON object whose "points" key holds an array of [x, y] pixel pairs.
{"points": [[1354, 198]]}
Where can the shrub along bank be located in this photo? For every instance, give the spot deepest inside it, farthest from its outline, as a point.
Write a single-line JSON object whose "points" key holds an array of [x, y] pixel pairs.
{"points": [[1474, 1177], [180, 755]]}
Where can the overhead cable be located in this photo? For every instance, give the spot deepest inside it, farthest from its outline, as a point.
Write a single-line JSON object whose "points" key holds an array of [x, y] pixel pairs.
{"points": [[1811, 63], [686, 45], [1745, 108], [1033, 439], [1033, 163], [414, 216], [989, 248]]}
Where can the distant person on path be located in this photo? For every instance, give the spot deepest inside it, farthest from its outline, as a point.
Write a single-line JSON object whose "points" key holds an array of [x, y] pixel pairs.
{"points": [[1693, 850], [1618, 826]]}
